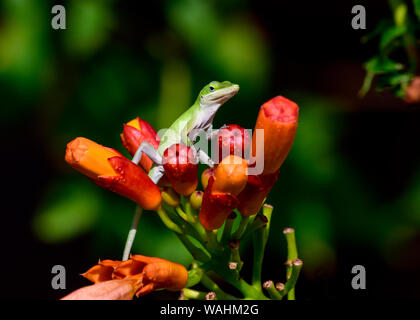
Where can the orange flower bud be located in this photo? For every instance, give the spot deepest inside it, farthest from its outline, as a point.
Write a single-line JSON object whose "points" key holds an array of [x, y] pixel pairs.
{"points": [[278, 118], [205, 176], [230, 176], [109, 169], [181, 168], [134, 133], [108, 290], [149, 273], [90, 158], [252, 196]]}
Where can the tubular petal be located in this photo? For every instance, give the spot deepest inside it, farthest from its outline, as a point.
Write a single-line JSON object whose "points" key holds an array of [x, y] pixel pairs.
{"points": [[278, 118], [216, 207], [108, 290], [132, 182], [172, 276], [90, 158], [256, 190]]}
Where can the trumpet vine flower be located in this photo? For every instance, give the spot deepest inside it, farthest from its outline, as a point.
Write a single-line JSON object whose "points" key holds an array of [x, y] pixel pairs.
{"points": [[231, 193]]}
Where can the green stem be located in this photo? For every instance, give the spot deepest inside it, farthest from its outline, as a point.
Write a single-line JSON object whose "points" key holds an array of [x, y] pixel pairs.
{"points": [[183, 215], [272, 291], [260, 221], [167, 221], [241, 228], [192, 229], [259, 246], [292, 254], [198, 228], [236, 257], [291, 283], [227, 231], [194, 294], [188, 208], [212, 286], [267, 212], [402, 18], [197, 253], [246, 289], [212, 244]]}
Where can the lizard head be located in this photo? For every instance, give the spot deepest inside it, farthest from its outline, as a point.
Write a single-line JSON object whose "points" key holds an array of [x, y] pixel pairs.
{"points": [[216, 93]]}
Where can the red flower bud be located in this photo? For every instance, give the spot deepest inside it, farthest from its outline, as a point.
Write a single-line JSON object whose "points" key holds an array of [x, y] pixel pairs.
{"points": [[216, 207], [181, 168], [134, 133], [107, 168], [251, 198], [233, 140], [278, 118], [219, 198]]}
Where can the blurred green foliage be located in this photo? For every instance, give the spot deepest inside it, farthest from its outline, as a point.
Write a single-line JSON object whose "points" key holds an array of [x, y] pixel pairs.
{"points": [[89, 79], [393, 69]]}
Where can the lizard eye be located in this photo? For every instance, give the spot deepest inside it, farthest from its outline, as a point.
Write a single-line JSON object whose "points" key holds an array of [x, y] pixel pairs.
{"points": [[211, 88]]}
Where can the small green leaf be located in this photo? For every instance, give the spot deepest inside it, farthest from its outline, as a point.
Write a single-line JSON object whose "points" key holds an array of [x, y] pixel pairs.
{"points": [[390, 35], [400, 14], [379, 29], [380, 64], [416, 4], [367, 82]]}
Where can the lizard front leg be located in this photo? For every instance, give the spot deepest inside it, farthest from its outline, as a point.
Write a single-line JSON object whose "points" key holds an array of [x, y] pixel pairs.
{"points": [[204, 158], [148, 150]]}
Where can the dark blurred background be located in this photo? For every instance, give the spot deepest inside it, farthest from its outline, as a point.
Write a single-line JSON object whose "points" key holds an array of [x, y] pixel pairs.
{"points": [[350, 186]]}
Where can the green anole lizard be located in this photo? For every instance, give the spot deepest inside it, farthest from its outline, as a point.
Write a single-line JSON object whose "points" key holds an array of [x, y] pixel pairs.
{"points": [[198, 118], [184, 130]]}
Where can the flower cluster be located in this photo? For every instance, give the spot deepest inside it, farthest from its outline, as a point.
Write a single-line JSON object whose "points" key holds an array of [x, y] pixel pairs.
{"points": [[230, 192], [138, 276]]}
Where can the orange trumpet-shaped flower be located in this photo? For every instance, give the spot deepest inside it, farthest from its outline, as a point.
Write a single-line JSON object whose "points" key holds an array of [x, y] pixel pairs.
{"points": [[134, 133], [257, 188], [220, 196], [278, 118], [149, 273], [107, 168], [181, 168], [108, 290]]}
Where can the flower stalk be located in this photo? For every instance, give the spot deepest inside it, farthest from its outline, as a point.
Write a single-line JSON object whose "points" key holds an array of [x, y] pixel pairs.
{"points": [[292, 255]]}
